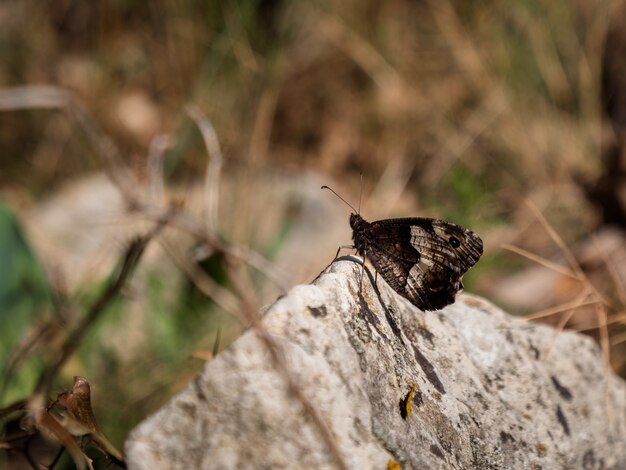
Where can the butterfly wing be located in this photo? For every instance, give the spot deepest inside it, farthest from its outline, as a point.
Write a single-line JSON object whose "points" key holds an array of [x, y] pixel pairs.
{"points": [[469, 248], [423, 259]]}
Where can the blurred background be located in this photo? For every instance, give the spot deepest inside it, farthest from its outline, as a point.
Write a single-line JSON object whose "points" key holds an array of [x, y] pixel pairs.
{"points": [[506, 117]]}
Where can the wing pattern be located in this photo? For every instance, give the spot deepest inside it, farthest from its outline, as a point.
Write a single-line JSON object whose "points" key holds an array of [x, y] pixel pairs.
{"points": [[422, 259]]}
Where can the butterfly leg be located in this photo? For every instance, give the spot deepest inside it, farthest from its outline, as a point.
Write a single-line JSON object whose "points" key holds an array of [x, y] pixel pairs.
{"points": [[344, 247], [362, 271]]}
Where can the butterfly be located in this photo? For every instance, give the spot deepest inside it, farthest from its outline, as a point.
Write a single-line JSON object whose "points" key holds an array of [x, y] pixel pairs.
{"points": [[422, 259]]}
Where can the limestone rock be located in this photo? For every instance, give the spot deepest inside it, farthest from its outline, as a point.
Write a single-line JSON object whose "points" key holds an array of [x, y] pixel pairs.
{"points": [[489, 391]]}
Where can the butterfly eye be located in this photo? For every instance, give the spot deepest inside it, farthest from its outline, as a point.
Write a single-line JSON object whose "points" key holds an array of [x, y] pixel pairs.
{"points": [[454, 242]]}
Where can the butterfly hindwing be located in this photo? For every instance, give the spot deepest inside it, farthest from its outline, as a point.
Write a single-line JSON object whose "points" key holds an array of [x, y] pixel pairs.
{"points": [[422, 259], [470, 246]]}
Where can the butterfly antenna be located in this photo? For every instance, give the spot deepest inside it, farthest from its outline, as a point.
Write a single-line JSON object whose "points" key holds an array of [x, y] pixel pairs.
{"points": [[360, 192], [333, 191]]}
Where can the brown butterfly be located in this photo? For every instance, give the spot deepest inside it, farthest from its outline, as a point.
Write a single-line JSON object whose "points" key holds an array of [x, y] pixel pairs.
{"points": [[422, 259]]}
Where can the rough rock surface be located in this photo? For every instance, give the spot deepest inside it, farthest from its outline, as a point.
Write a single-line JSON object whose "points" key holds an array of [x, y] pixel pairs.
{"points": [[490, 391]]}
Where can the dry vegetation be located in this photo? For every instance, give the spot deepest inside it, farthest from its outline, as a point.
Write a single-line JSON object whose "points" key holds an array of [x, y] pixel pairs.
{"points": [[461, 110]]}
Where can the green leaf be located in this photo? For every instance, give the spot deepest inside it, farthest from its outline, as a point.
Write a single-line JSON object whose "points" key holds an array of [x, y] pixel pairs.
{"points": [[24, 294]]}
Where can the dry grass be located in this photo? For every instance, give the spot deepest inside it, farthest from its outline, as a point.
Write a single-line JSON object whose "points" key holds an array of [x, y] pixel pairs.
{"points": [[459, 110]]}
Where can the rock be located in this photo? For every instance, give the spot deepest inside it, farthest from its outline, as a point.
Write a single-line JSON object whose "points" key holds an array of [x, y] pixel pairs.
{"points": [[486, 390]]}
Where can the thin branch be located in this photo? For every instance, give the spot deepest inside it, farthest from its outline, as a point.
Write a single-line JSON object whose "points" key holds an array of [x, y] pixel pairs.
{"points": [[542, 261], [362, 53], [600, 303], [213, 168], [605, 345], [568, 314], [127, 267], [569, 256], [615, 277], [618, 339], [19, 405], [577, 303], [158, 146], [221, 296], [611, 320], [461, 45], [22, 351], [52, 97], [240, 252], [248, 298]]}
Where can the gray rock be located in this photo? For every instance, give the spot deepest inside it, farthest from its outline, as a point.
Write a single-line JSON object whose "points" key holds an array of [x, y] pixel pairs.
{"points": [[490, 391]]}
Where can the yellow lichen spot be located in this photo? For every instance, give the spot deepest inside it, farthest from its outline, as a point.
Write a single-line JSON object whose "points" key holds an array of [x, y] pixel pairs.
{"points": [[405, 404], [393, 465]]}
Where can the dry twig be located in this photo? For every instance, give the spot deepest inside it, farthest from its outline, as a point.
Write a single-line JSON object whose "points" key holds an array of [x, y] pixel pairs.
{"points": [[71, 343]]}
